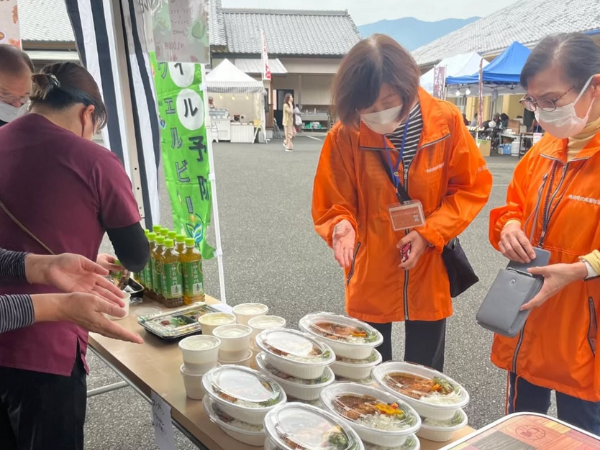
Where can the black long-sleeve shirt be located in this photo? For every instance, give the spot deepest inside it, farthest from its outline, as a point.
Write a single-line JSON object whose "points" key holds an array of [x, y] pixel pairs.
{"points": [[16, 311]]}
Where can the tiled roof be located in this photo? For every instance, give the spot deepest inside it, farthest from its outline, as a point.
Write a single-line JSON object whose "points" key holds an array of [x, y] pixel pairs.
{"points": [[526, 21], [45, 20], [217, 25], [288, 32]]}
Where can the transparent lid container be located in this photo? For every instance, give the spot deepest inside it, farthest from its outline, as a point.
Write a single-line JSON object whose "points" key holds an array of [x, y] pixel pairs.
{"points": [[295, 346], [296, 426], [324, 379], [341, 329], [242, 387]]}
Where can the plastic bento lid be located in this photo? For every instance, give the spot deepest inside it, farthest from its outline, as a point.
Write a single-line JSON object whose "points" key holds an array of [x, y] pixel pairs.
{"points": [[242, 387], [296, 426], [295, 346], [371, 408], [341, 329], [374, 359], [326, 379], [222, 419]]}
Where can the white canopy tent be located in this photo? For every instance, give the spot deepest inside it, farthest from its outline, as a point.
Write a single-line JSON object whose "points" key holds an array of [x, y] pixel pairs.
{"points": [[456, 66], [226, 80]]}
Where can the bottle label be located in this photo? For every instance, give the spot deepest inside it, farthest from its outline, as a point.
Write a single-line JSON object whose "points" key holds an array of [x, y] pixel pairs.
{"points": [[150, 275], [172, 280], [192, 279], [145, 277], [157, 278]]}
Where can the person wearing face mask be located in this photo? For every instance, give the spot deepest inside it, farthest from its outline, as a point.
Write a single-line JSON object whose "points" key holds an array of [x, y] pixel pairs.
{"points": [[553, 203], [392, 133], [59, 193], [15, 82]]}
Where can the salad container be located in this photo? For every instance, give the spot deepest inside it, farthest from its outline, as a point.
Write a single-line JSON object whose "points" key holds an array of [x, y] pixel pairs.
{"points": [[262, 323], [443, 430], [246, 311], [296, 426], [355, 369], [235, 341], [240, 431], [211, 321], [177, 323], [245, 361], [243, 393], [305, 390], [200, 353], [349, 338], [378, 417], [192, 383], [432, 394], [295, 353]]}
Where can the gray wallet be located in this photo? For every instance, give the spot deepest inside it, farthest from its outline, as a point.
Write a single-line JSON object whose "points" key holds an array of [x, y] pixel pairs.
{"points": [[513, 287]]}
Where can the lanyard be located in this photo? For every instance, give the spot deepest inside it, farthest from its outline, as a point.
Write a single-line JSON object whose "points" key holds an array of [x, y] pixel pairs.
{"points": [[394, 173]]}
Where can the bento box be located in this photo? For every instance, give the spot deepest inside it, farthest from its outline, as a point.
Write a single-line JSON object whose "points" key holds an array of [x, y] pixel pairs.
{"points": [[176, 323]]}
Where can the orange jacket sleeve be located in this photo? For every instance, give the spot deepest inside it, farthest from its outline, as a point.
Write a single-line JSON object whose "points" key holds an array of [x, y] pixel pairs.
{"points": [[334, 192], [515, 200], [469, 187]]}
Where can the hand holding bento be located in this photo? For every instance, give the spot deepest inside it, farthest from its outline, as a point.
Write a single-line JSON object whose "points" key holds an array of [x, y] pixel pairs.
{"points": [[556, 277], [85, 310], [417, 244], [344, 240], [72, 273], [515, 245]]}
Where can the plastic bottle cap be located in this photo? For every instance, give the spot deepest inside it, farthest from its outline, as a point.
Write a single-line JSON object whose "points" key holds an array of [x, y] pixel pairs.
{"points": [[146, 232], [151, 236], [160, 240], [190, 242], [181, 238], [172, 235], [164, 232], [169, 243], [156, 228]]}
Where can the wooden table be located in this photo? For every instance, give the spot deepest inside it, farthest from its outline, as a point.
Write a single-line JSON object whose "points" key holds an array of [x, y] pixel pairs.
{"points": [[154, 366]]}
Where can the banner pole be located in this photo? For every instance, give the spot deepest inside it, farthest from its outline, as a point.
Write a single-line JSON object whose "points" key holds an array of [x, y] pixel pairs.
{"points": [[215, 203]]}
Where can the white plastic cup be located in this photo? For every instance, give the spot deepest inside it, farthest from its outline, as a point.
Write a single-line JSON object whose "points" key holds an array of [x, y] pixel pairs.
{"points": [[213, 320], [193, 384], [246, 311], [127, 301], [245, 361], [262, 323], [200, 353], [235, 342]]}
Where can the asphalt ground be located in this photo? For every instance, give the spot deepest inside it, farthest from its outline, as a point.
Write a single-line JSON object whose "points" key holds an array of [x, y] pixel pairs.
{"points": [[272, 255]]}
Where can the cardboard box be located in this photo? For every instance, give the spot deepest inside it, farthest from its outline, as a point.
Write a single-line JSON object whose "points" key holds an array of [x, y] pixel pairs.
{"points": [[484, 147]]}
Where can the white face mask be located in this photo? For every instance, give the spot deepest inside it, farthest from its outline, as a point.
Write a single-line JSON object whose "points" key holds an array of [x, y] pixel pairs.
{"points": [[564, 122], [383, 122], [8, 113]]}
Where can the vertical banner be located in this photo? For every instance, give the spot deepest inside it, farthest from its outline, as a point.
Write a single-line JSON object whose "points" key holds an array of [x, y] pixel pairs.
{"points": [[480, 111], [180, 97], [181, 31], [439, 81], [266, 75], [9, 23]]}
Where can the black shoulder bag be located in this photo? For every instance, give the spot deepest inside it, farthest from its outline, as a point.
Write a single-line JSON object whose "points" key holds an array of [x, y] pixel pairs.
{"points": [[460, 272]]}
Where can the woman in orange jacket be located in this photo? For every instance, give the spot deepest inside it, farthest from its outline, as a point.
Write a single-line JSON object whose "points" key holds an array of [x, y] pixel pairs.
{"points": [[553, 202], [391, 131]]}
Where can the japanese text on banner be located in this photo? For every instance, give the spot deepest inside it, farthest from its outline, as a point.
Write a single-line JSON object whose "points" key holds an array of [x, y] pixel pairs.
{"points": [[184, 147]]}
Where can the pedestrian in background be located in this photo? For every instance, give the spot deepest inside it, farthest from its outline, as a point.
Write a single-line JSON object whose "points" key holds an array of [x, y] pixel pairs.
{"points": [[288, 122], [392, 134]]}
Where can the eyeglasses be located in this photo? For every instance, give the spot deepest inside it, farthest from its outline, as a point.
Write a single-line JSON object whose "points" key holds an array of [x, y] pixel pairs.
{"points": [[545, 105], [12, 100]]}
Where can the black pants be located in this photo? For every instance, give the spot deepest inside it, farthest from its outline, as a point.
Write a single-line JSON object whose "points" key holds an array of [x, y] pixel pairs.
{"points": [[40, 411], [425, 342]]}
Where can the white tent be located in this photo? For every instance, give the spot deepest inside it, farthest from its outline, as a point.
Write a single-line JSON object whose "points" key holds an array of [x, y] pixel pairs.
{"points": [[227, 79], [456, 66]]}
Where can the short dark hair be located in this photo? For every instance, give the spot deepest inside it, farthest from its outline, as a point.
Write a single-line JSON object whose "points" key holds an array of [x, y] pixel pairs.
{"points": [[504, 116], [61, 85], [369, 65], [14, 60], [576, 54]]}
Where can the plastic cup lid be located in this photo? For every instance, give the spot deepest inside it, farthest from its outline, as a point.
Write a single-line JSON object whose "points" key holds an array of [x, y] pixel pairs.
{"points": [[266, 322], [304, 427], [250, 308], [235, 383], [199, 343], [341, 329]]}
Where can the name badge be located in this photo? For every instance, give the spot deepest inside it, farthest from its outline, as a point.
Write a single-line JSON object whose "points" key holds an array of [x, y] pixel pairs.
{"points": [[407, 215]]}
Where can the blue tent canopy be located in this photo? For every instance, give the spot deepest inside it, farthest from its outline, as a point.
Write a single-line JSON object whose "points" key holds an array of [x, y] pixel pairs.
{"points": [[505, 69]]}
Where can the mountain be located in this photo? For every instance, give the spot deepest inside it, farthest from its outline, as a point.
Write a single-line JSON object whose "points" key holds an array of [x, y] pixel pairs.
{"points": [[413, 33]]}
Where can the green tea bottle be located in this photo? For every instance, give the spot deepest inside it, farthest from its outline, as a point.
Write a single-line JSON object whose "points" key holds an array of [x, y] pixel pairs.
{"points": [[149, 269], [193, 281], [158, 268], [180, 244], [172, 279]]}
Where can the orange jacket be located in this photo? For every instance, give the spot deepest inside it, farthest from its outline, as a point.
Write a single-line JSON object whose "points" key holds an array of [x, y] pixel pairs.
{"points": [[450, 178], [556, 349]]}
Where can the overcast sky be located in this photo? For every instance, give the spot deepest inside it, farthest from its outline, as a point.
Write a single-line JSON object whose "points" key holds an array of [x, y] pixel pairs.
{"points": [[368, 11]]}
